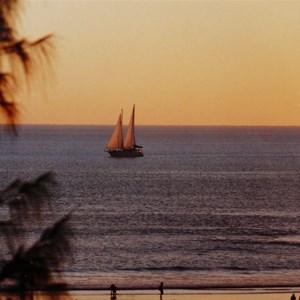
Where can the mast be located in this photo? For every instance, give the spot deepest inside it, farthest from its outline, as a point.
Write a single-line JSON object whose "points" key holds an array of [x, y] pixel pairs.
{"points": [[116, 140], [129, 142]]}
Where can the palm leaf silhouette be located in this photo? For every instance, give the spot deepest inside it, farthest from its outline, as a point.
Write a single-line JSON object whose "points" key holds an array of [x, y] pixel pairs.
{"points": [[25, 197], [32, 267], [22, 57]]}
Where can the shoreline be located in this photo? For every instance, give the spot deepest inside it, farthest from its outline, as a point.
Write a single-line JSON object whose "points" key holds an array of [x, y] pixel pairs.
{"points": [[253, 294], [199, 290], [169, 294], [180, 290]]}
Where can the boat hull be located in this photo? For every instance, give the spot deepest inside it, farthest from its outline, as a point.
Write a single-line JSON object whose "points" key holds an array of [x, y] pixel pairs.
{"points": [[126, 153]]}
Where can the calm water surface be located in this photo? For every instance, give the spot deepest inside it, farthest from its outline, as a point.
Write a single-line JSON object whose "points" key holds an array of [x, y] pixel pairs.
{"points": [[206, 206]]}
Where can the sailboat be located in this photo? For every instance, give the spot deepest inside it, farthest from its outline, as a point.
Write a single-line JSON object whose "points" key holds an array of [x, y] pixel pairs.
{"points": [[117, 147]]}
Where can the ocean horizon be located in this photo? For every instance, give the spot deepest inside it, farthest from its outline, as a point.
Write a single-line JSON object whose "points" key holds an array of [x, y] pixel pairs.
{"points": [[206, 207]]}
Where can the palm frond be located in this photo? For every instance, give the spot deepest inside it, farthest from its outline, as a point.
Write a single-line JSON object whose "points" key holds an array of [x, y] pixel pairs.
{"points": [[26, 59], [54, 243], [9, 6], [7, 88], [29, 197], [28, 52], [24, 200], [11, 187], [7, 82], [19, 50], [8, 233], [38, 188], [8, 11], [10, 111], [6, 31], [33, 267]]}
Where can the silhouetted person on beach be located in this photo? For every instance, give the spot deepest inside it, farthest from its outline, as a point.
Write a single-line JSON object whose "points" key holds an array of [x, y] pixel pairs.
{"points": [[161, 289], [113, 291], [293, 297]]}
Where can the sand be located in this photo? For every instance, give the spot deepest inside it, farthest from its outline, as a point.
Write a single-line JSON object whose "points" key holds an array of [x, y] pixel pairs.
{"points": [[190, 295], [241, 294]]}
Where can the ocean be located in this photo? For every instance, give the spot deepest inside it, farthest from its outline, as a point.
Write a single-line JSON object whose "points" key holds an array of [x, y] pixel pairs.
{"points": [[206, 207]]}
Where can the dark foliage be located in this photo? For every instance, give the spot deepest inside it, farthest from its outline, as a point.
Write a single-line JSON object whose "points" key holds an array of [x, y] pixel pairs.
{"points": [[27, 264], [32, 267], [19, 60]]}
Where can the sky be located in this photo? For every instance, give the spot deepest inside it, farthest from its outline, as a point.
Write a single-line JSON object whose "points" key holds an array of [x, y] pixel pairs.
{"points": [[179, 62]]}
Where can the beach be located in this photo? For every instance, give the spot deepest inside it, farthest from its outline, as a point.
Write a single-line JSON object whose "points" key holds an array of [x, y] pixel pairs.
{"points": [[245, 294], [239, 294]]}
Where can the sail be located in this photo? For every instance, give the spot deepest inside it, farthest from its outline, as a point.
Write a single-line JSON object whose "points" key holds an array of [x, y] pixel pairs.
{"points": [[116, 140], [129, 142]]}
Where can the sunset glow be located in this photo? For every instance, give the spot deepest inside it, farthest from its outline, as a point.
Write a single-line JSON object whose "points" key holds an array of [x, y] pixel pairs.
{"points": [[181, 63]]}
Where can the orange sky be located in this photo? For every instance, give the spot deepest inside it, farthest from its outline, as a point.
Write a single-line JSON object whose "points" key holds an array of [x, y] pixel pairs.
{"points": [[181, 63]]}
